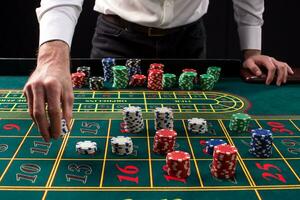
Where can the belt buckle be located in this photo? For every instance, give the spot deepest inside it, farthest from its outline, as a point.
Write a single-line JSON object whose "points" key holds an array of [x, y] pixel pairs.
{"points": [[152, 33]]}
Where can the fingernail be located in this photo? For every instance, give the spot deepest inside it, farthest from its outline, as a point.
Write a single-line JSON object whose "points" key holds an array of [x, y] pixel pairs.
{"points": [[258, 73]]}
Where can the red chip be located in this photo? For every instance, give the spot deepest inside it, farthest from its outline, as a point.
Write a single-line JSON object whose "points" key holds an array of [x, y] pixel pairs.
{"points": [[178, 156], [178, 164], [138, 80], [225, 149], [166, 133], [78, 79], [157, 66], [155, 78], [189, 70], [224, 161]]}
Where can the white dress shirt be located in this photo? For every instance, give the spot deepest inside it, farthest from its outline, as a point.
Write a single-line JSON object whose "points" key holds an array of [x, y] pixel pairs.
{"points": [[58, 18]]}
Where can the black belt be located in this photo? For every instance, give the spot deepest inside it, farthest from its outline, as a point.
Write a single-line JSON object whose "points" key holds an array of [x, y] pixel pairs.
{"points": [[149, 31]]}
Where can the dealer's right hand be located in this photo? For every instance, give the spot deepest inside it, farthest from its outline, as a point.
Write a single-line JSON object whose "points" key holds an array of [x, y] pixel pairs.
{"points": [[50, 84]]}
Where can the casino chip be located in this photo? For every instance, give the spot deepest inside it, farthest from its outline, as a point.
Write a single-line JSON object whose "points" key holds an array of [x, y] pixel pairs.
{"points": [[133, 119], [192, 70], [87, 72], [164, 118], [137, 80], [158, 66], [224, 161], [96, 83], [239, 122], [197, 125], [78, 79], [261, 143], [134, 66], [210, 145], [186, 80], [64, 128], [155, 78], [207, 82], [107, 64], [169, 81], [121, 79], [121, 145], [164, 141], [178, 164], [86, 147], [215, 72]]}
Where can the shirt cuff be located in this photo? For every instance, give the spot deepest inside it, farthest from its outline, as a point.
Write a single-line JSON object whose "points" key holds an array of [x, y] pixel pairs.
{"points": [[58, 23], [250, 37]]}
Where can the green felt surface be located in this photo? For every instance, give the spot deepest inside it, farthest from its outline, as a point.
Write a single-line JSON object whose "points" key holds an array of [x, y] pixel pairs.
{"points": [[265, 100], [32, 169]]}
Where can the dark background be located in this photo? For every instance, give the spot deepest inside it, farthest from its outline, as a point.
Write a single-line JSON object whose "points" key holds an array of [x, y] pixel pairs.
{"points": [[19, 30]]}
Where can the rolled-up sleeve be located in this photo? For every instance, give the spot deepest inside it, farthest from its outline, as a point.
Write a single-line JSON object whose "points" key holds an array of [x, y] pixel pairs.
{"points": [[249, 17], [57, 19]]}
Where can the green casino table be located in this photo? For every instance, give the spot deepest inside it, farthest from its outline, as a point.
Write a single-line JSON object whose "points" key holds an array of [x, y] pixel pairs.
{"points": [[33, 169]]}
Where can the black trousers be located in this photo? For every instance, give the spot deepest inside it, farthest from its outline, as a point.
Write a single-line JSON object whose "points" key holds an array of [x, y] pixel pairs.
{"points": [[111, 40]]}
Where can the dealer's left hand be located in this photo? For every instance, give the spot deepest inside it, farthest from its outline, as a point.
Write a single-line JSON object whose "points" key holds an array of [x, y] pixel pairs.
{"points": [[254, 61]]}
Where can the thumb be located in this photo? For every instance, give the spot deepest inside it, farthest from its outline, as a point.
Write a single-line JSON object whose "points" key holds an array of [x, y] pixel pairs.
{"points": [[249, 64]]}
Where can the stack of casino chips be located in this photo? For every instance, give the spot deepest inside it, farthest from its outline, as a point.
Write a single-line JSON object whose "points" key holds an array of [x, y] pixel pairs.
{"points": [[164, 141], [186, 80], [107, 64], [207, 82], [192, 70], [164, 118], [133, 119], [86, 147], [134, 66], [224, 161], [96, 83], [169, 80], [87, 71], [239, 122], [261, 143], [197, 125], [64, 128], [120, 77], [155, 79], [211, 144], [78, 79], [178, 164], [121, 145], [156, 66], [215, 72], [137, 80]]}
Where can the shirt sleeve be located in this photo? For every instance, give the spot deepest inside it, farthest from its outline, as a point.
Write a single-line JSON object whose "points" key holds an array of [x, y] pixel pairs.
{"points": [[249, 17], [57, 19]]}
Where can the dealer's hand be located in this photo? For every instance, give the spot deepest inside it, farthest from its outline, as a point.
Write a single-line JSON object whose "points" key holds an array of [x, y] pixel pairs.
{"points": [[254, 61], [50, 83]]}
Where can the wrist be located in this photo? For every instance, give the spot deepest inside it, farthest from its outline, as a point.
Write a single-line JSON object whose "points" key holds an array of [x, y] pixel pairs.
{"points": [[55, 53], [251, 52]]}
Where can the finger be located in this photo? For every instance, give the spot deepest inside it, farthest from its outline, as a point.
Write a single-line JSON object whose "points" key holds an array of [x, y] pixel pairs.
{"points": [[285, 74], [290, 71], [282, 71], [67, 107], [253, 67], [53, 94], [29, 99], [271, 70], [39, 113], [280, 74]]}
